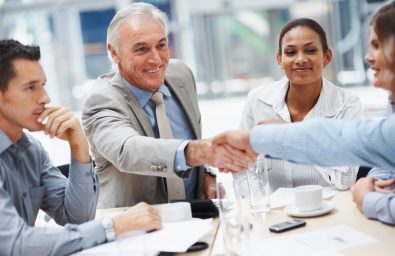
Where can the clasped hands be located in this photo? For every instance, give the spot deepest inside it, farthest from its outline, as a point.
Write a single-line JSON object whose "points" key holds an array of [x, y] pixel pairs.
{"points": [[370, 184], [229, 151]]}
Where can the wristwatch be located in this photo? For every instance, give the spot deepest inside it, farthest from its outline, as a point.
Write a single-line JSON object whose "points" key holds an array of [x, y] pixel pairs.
{"points": [[210, 171], [108, 226]]}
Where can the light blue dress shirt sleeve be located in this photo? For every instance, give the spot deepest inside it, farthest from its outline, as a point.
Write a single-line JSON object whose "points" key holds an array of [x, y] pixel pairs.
{"points": [[329, 142], [380, 206], [382, 174], [83, 186], [73, 200], [180, 161]]}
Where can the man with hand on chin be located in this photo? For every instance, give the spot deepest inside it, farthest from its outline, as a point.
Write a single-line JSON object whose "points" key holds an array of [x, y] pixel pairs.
{"points": [[29, 181]]}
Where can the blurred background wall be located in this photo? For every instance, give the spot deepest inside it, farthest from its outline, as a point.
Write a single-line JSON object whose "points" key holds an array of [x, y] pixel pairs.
{"points": [[229, 44]]}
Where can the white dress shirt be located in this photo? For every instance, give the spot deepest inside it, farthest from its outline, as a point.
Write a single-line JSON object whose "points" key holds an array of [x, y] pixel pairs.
{"points": [[268, 102]]}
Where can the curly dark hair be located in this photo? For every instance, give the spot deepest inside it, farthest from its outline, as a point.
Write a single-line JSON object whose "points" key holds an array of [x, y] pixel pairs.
{"points": [[11, 50]]}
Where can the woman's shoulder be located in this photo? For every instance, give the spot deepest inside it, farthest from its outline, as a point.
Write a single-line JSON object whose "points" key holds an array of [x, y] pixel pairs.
{"points": [[339, 92], [267, 88]]}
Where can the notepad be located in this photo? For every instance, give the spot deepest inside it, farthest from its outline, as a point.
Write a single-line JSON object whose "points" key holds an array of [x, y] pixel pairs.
{"points": [[173, 237]]}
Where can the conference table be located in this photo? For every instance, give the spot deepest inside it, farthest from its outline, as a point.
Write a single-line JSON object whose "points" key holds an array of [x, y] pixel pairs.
{"points": [[345, 213]]}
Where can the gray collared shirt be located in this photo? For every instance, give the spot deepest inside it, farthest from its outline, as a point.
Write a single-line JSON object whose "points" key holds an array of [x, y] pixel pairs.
{"points": [[29, 182]]}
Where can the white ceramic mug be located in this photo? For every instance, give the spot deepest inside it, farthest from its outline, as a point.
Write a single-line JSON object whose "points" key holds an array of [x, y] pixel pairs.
{"points": [[308, 198], [173, 212]]}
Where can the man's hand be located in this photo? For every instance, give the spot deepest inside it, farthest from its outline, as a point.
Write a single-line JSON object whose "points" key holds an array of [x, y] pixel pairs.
{"points": [[60, 122], [209, 190], [236, 140], [361, 188], [218, 153], [141, 217]]}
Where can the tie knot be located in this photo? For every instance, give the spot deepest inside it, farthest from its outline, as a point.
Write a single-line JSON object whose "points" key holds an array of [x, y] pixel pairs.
{"points": [[157, 98]]}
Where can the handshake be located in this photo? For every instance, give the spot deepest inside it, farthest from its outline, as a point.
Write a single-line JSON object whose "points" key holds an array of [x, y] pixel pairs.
{"points": [[229, 151]]}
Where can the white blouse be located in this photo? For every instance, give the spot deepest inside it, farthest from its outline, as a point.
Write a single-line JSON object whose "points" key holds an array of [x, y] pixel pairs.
{"points": [[268, 102]]}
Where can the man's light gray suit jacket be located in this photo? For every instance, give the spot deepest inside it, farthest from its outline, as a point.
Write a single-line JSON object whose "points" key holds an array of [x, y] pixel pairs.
{"points": [[130, 161]]}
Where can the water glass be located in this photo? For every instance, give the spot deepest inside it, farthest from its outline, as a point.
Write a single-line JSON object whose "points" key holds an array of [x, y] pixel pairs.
{"points": [[259, 186], [233, 222]]}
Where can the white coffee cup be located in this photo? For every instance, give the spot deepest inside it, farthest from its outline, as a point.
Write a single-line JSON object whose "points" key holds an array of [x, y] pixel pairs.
{"points": [[180, 211], [308, 198]]}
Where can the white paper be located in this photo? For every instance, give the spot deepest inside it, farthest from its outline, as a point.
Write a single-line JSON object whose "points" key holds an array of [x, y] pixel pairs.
{"points": [[328, 241], [284, 246], [285, 196], [335, 238], [173, 237]]}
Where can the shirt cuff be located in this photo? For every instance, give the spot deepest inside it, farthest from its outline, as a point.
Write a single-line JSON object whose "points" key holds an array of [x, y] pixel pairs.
{"points": [[180, 163], [369, 204], [92, 233], [81, 173]]}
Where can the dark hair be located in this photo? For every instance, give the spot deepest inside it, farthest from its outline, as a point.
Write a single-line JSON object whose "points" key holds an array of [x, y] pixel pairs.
{"points": [[304, 22], [11, 50], [384, 22]]}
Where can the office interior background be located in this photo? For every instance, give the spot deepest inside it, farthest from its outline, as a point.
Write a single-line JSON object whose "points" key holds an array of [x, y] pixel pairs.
{"points": [[230, 45]]}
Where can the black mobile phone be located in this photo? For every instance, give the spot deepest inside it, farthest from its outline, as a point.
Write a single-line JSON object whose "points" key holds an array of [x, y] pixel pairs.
{"points": [[288, 225], [197, 246]]}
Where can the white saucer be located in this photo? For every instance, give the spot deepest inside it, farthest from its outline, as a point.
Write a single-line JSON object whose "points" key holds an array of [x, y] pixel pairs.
{"points": [[326, 207]]}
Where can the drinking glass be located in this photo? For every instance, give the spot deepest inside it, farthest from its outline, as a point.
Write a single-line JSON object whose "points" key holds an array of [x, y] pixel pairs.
{"points": [[233, 222], [259, 186]]}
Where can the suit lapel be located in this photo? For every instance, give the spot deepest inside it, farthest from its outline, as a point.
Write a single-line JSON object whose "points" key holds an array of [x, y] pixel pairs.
{"points": [[181, 93], [134, 105]]}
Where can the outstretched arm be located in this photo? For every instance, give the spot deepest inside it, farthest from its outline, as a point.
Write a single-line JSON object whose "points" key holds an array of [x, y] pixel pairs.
{"points": [[323, 142], [329, 142]]}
